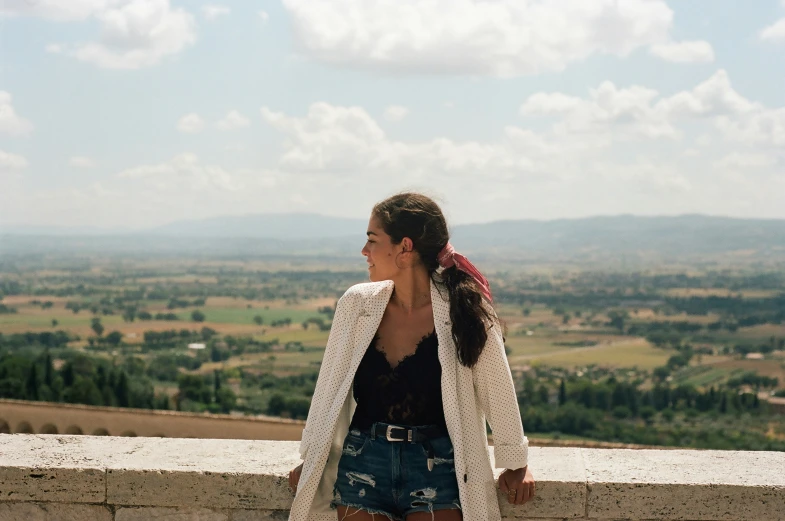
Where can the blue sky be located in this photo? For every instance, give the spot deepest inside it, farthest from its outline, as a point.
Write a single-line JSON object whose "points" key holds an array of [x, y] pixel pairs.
{"points": [[136, 113]]}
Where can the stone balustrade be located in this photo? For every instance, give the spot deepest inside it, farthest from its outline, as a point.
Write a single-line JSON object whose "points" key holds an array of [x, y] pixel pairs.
{"points": [[94, 478]]}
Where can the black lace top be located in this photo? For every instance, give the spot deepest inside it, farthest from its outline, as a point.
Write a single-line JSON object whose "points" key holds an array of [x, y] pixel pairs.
{"points": [[408, 394]]}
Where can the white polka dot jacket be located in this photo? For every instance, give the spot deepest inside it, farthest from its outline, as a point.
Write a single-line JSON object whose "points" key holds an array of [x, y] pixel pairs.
{"points": [[470, 397]]}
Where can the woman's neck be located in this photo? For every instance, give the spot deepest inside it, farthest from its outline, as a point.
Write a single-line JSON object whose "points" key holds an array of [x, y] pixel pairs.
{"points": [[412, 290]]}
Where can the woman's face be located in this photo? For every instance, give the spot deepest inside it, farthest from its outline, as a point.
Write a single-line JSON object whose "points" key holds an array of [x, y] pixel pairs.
{"points": [[381, 253]]}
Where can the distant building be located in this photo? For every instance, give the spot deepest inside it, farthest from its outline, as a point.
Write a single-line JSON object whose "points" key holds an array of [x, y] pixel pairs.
{"points": [[754, 356], [196, 346]]}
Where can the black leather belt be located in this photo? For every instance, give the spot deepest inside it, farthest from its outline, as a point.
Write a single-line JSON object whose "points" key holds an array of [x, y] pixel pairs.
{"points": [[411, 435]]}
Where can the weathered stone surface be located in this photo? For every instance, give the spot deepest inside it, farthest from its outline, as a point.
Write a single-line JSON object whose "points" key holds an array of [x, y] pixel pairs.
{"points": [[258, 515], [685, 484], [560, 486], [169, 514], [40, 467], [45, 477], [53, 512], [210, 473]]}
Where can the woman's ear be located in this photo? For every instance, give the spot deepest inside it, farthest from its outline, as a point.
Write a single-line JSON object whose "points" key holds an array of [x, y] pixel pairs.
{"points": [[408, 245]]}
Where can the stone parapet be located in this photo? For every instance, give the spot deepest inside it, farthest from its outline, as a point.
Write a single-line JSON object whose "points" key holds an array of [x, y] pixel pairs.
{"points": [[87, 478]]}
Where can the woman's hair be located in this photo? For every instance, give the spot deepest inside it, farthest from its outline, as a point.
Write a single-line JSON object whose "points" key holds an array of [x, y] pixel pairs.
{"points": [[420, 219]]}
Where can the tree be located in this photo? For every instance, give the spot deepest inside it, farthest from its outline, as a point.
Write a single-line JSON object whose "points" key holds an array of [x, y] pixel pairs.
{"points": [[96, 326], [197, 316], [54, 322], [114, 338], [542, 391], [31, 385], [661, 373], [276, 404], [48, 369], [258, 320], [121, 390], [617, 319], [67, 373], [83, 391], [562, 393]]}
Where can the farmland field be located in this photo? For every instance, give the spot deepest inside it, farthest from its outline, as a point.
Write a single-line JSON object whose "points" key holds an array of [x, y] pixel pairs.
{"points": [[264, 333]]}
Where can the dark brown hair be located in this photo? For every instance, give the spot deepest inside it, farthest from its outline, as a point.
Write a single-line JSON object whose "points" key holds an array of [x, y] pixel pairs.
{"points": [[419, 218]]}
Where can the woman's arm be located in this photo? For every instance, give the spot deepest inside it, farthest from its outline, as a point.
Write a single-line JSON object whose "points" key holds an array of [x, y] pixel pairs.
{"points": [[495, 393], [343, 323]]}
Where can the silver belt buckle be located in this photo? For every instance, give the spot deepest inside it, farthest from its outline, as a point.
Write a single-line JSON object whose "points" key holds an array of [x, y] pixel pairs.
{"points": [[389, 431], [391, 427]]}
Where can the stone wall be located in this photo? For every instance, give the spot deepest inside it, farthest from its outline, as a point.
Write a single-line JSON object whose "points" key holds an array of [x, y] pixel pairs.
{"points": [[68, 418], [92, 478]]}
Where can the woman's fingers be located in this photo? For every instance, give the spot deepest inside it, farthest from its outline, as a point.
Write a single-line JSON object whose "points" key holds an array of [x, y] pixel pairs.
{"points": [[527, 492]]}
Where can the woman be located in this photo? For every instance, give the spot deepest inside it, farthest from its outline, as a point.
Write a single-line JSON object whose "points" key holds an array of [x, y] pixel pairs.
{"points": [[414, 366]]}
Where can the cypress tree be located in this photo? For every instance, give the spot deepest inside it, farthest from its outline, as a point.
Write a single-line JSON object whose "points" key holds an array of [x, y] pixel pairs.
{"points": [[31, 385], [562, 393], [48, 369]]}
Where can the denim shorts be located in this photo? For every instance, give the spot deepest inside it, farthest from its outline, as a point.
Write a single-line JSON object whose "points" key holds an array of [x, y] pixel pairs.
{"points": [[392, 477]]}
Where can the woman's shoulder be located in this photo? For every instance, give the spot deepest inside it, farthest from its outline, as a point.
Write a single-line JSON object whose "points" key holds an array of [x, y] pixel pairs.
{"points": [[367, 289]]}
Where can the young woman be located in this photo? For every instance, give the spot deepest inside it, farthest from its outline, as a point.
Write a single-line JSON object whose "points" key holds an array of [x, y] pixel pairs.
{"points": [[413, 368]]}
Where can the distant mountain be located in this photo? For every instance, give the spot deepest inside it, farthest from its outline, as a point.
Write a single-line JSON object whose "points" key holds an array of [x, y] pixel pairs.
{"points": [[627, 233], [600, 239]]}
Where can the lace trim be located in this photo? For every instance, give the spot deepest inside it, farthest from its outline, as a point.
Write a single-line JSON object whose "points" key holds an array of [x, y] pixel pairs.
{"points": [[402, 360]]}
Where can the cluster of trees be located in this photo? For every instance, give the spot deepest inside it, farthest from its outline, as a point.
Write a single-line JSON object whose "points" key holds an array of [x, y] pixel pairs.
{"points": [[81, 379], [613, 410], [16, 341], [27, 372], [146, 315], [173, 338], [318, 322], [199, 393], [290, 395], [175, 302]]}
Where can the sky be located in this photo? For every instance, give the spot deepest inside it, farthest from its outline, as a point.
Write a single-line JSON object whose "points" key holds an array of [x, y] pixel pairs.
{"points": [[137, 113]]}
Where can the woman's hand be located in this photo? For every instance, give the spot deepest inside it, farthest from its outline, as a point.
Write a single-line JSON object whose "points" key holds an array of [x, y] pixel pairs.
{"points": [[518, 485], [294, 477]]}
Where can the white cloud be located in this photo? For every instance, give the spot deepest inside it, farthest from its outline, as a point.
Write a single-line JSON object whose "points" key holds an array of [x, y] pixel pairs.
{"points": [[183, 170], [336, 139], [81, 162], [684, 52], [10, 122], [621, 114], [737, 160], [395, 113], [713, 97], [11, 162], [765, 127], [135, 34], [58, 10], [211, 11], [630, 109], [264, 16], [775, 32], [190, 123], [501, 38], [233, 120], [349, 143]]}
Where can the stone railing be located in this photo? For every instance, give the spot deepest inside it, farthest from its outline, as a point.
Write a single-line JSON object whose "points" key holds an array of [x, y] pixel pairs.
{"points": [[91, 478]]}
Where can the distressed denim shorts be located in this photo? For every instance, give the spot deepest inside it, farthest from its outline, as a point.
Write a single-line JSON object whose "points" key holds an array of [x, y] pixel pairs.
{"points": [[392, 477]]}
